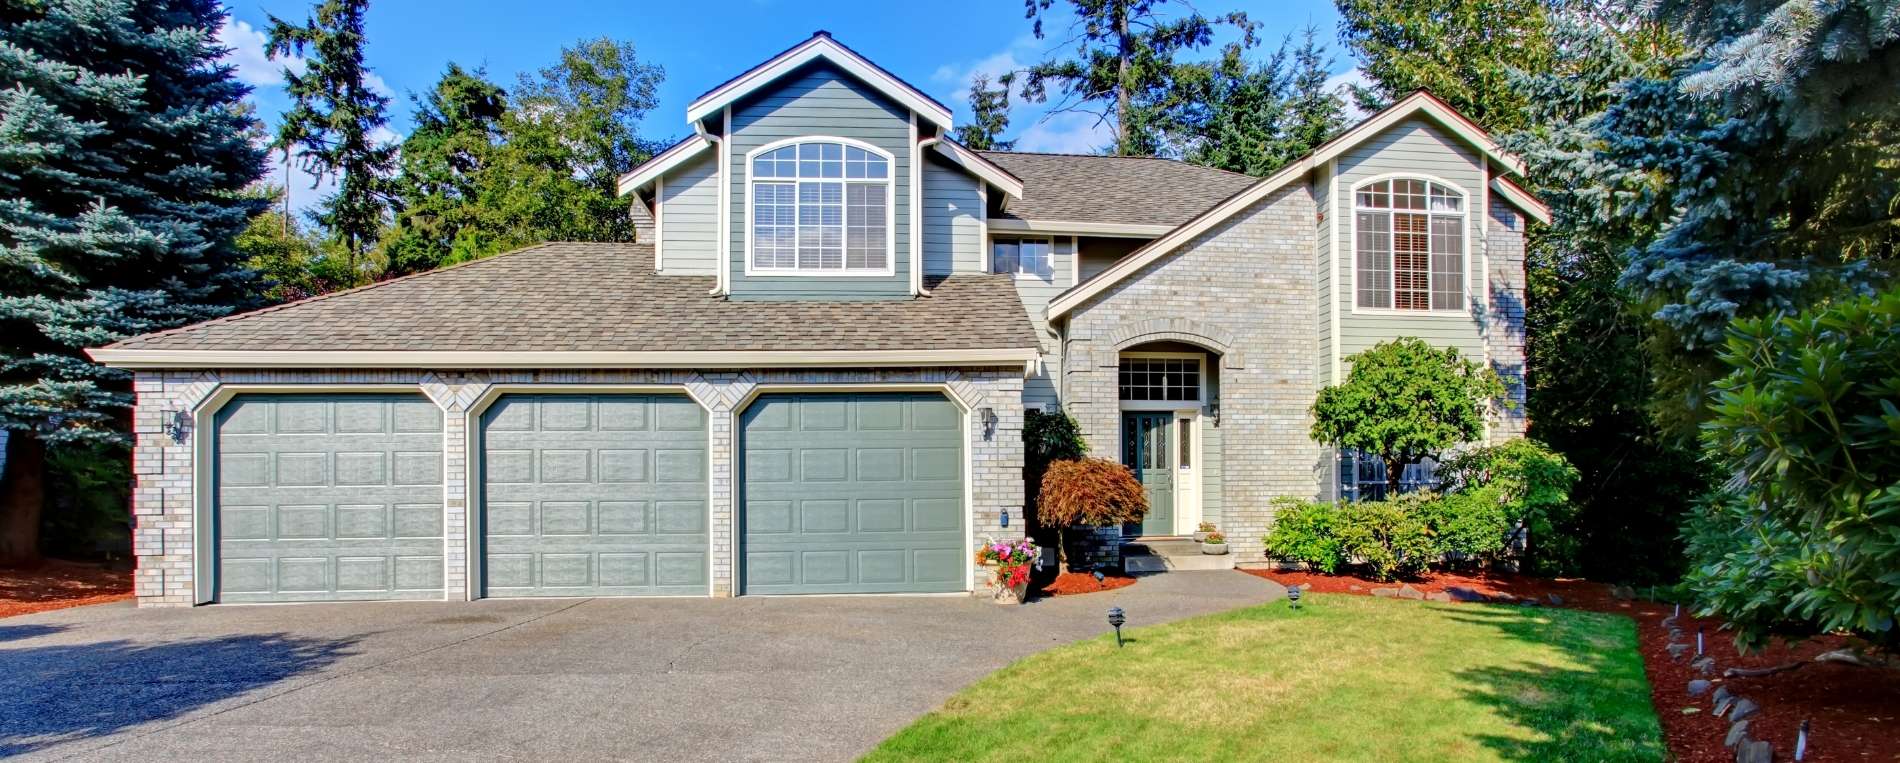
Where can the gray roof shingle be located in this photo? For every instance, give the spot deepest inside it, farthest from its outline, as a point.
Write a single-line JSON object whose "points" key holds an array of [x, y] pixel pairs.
{"points": [[1113, 189], [586, 297]]}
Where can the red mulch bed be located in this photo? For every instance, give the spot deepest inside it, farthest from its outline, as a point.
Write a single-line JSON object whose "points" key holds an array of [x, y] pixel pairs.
{"points": [[1854, 713], [58, 585], [1073, 583]]}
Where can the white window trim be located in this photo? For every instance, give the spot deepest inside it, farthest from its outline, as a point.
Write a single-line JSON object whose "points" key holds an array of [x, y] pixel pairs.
{"points": [[1200, 394], [1019, 274], [1352, 247], [890, 210]]}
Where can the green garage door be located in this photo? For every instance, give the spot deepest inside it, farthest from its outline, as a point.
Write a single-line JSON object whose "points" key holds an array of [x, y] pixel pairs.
{"points": [[594, 495], [853, 494], [328, 497]]}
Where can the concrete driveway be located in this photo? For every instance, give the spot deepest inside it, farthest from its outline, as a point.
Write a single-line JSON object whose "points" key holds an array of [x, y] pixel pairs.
{"points": [[570, 679]]}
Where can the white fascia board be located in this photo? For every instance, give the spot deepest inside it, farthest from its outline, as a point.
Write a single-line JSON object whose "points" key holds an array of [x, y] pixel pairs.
{"points": [[151, 359], [984, 169], [660, 165], [814, 49], [1521, 199], [1077, 228]]}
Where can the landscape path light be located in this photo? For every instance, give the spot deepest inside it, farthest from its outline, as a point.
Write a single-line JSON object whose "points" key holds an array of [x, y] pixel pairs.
{"points": [[1116, 617]]}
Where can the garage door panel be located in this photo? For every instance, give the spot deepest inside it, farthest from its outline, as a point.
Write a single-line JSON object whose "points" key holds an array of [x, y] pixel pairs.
{"points": [[587, 495], [328, 497], [846, 494]]}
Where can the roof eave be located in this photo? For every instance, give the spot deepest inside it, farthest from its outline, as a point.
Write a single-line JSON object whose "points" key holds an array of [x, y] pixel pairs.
{"points": [[820, 46], [662, 163], [150, 359]]}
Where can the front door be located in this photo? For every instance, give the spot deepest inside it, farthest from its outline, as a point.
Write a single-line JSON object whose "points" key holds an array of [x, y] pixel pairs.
{"points": [[1146, 453]]}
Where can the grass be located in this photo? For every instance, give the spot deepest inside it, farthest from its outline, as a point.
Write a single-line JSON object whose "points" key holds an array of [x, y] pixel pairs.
{"points": [[1343, 678]]}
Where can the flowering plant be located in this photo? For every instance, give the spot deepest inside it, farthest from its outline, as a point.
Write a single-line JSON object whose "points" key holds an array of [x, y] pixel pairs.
{"points": [[1215, 539], [1012, 560]]}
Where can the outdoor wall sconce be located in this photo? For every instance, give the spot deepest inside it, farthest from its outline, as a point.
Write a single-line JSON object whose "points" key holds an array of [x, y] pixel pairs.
{"points": [[177, 425], [1116, 618], [989, 422], [1213, 411]]}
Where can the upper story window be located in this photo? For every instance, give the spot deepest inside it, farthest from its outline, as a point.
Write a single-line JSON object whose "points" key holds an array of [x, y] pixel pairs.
{"points": [[1033, 257], [821, 207], [1409, 245]]}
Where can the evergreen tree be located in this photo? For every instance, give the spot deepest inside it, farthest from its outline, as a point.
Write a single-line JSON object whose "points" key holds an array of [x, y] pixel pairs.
{"points": [[123, 154], [486, 171], [989, 114], [1257, 118], [1464, 52], [334, 122], [1123, 69], [457, 131]]}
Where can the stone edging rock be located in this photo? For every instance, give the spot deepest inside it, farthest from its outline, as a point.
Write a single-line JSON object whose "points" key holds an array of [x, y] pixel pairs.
{"points": [[1737, 710]]}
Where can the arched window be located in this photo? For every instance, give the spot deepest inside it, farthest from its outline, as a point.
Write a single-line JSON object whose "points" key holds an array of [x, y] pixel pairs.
{"points": [[820, 206], [1409, 245]]}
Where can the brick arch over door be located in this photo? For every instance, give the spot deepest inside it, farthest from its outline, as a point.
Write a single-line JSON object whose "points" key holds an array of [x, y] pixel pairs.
{"points": [[1185, 330]]}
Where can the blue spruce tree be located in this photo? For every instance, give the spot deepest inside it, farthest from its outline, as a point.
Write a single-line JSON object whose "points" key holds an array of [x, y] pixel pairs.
{"points": [[123, 149]]}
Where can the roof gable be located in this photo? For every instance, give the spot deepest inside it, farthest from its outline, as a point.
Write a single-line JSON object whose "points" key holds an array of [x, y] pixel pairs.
{"points": [[820, 47], [1419, 103]]}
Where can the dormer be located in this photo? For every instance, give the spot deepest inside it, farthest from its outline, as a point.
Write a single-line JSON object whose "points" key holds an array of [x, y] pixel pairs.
{"points": [[804, 180]]}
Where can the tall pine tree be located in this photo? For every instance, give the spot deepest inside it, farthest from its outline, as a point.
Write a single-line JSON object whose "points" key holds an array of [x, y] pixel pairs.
{"points": [[334, 121], [1258, 117], [989, 114], [1123, 69], [1462, 51], [123, 154], [458, 126]]}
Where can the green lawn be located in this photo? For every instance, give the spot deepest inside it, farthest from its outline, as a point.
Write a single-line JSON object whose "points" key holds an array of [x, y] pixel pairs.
{"points": [[1344, 678]]}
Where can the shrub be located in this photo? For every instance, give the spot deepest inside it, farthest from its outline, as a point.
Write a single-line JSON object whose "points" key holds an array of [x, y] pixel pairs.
{"points": [[1389, 538], [1530, 484], [1095, 492], [1047, 438], [1808, 423], [1472, 524], [1303, 531]]}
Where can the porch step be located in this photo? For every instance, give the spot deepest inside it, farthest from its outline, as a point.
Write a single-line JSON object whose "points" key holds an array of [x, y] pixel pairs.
{"points": [[1169, 555]]}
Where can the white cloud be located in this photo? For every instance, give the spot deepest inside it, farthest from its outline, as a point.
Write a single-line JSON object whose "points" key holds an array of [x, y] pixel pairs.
{"points": [[1019, 55], [1068, 132], [255, 67], [247, 46]]}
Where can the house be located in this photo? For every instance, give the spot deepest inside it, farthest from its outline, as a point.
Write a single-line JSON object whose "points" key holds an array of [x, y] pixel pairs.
{"points": [[811, 374]]}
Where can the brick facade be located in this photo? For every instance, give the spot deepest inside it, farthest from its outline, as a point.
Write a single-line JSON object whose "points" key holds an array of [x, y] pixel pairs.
{"points": [[1244, 291], [1504, 336], [167, 509]]}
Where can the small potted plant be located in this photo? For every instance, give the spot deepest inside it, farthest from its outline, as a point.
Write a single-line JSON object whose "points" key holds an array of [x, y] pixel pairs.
{"points": [[1215, 544], [1206, 529], [1012, 560]]}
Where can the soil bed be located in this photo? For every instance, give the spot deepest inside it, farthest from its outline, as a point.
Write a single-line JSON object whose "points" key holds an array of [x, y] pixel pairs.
{"points": [[1853, 713], [1073, 583], [58, 585]]}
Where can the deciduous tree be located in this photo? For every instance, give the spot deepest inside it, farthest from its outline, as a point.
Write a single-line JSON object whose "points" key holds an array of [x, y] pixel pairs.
{"points": [[1405, 400]]}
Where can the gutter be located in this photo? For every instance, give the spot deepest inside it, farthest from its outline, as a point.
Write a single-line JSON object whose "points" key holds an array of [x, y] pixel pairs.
{"points": [[918, 159], [437, 359]]}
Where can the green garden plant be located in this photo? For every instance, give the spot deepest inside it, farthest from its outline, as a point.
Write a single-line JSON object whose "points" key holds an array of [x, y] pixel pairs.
{"points": [[1807, 422], [1405, 400]]}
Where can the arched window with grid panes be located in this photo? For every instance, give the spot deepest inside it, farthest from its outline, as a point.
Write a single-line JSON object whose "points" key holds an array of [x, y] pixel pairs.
{"points": [[820, 206], [1409, 245]]}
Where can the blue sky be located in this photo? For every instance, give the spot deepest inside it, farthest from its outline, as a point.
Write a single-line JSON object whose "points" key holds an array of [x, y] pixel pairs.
{"points": [[931, 45]]}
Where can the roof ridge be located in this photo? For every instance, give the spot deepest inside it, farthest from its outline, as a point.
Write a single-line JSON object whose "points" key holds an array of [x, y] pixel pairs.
{"points": [[266, 310], [1169, 160]]}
